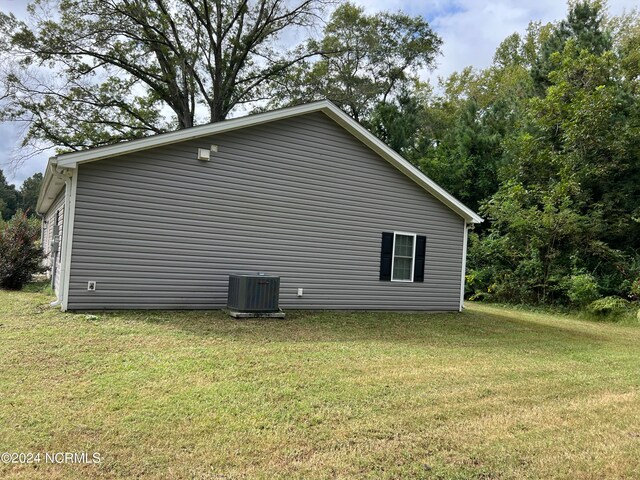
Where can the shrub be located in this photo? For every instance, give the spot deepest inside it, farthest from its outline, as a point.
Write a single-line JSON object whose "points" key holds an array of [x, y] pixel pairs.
{"points": [[20, 252], [608, 305], [635, 289], [582, 289]]}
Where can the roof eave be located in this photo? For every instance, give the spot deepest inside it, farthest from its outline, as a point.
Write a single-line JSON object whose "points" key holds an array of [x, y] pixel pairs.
{"points": [[70, 160], [52, 185], [73, 158], [46, 182]]}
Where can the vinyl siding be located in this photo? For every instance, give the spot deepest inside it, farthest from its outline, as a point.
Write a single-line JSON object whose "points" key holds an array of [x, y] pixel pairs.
{"points": [[51, 259], [300, 198]]}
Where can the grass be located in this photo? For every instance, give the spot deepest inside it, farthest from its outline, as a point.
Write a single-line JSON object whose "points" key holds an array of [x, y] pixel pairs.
{"points": [[490, 393]]}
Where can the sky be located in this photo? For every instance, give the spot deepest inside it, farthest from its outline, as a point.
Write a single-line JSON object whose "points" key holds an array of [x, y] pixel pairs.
{"points": [[470, 29]]}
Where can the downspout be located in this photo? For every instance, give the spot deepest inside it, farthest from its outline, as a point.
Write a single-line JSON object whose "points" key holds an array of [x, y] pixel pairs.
{"points": [[65, 231]]}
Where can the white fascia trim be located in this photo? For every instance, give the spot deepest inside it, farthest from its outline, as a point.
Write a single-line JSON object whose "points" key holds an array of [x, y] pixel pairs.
{"points": [[464, 264], [46, 185], [73, 158], [333, 112], [43, 188], [67, 240]]}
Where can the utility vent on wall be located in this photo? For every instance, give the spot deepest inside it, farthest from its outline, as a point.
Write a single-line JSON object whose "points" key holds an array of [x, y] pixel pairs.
{"points": [[254, 294], [204, 154]]}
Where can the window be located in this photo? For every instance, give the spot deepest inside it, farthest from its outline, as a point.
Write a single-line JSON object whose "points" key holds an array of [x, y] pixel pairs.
{"points": [[402, 257], [404, 251]]}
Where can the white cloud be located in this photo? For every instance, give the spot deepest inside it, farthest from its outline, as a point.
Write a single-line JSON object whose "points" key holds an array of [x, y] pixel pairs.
{"points": [[471, 35], [472, 30]]}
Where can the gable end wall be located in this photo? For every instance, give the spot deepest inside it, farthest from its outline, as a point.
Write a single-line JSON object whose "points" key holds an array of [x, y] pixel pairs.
{"points": [[300, 198]]}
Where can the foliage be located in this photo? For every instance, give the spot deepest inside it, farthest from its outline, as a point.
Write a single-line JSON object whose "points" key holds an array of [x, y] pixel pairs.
{"points": [[121, 64], [525, 251], [29, 192], [609, 305], [582, 289], [635, 289], [24, 199], [545, 142], [402, 123], [366, 60], [470, 120], [585, 25], [564, 217], [8, 198], [20, 252]]}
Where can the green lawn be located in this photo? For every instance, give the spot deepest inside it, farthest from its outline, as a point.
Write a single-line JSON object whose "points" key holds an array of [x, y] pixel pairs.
{"points": [[490, 393]]}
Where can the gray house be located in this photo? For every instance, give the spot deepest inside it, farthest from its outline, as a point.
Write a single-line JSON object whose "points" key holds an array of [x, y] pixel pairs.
{"points": [[305, 193]]}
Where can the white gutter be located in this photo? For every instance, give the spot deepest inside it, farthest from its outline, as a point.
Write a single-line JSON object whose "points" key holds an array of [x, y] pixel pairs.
{"points": [[65, 231]]}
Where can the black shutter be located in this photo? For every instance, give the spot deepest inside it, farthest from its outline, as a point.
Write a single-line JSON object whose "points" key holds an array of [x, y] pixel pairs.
{"points": [[418, 266], [386, 253]]}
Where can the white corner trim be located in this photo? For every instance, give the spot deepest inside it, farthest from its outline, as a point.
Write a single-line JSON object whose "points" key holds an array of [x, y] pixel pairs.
{"points": [[464, 264], [67, 240], [52, 172]]}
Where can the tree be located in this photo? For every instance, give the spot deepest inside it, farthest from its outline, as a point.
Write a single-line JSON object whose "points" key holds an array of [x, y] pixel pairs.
{"points": [[366, 60], [20, 254], [585, 25], [119, 65], [469, 122], [566, 211], [29, 192], [545, 143], [400, 123], [8, 198]]}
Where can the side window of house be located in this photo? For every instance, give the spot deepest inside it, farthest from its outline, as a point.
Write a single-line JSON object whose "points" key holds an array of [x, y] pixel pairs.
{"points": [[402, 257]]}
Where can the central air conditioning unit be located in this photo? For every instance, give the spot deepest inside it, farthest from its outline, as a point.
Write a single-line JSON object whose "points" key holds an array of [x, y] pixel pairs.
{"points": [[254, 295]]}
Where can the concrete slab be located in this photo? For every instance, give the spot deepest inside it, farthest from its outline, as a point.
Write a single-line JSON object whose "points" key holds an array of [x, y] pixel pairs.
{"points": [[242, 315]]}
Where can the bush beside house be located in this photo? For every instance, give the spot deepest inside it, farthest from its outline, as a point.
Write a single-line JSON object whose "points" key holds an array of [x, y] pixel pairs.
{"points": [[20, 251]]}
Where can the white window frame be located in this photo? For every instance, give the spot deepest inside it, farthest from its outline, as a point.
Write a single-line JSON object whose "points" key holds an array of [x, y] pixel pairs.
{"points": [[413, 256]]}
